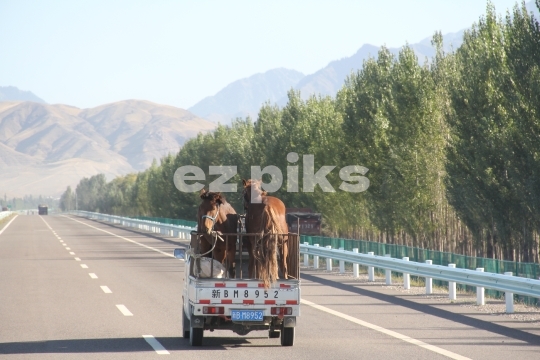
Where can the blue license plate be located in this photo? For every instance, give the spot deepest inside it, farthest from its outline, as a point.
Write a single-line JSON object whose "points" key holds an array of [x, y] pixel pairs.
{"points": [[246, 315]]}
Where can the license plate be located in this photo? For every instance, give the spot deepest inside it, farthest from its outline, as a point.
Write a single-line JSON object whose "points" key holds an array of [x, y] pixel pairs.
{"points": [[246, 315]]}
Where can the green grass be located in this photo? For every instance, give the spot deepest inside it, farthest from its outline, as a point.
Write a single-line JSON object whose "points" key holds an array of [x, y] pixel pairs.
{"points": [[5, 220]]}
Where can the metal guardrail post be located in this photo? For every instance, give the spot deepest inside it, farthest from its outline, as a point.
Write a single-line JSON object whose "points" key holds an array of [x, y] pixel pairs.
{"points": [[355, 265], [452, 286], [316, 259], [406, 277], [429, 281], [341, 264], [371, 269], [306, 257], [480, 300], [388, 272], [509, 298], [328, 260]]}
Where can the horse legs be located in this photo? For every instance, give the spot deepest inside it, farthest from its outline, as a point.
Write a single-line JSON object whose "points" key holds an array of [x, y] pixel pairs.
{"points": [[251, 252], [204, 245], [230, 256], [284, 257]]}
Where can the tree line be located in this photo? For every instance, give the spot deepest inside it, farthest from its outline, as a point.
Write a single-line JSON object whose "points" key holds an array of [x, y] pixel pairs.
{"points": [[452, 146]]}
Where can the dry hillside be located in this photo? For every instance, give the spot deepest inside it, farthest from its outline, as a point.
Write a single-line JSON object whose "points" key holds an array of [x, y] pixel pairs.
{"points": [[44, 148]]}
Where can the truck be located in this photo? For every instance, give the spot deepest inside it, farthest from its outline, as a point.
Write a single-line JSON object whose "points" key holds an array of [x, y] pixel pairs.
{"points": [[43, 209], [240, 304], [303, 221]]}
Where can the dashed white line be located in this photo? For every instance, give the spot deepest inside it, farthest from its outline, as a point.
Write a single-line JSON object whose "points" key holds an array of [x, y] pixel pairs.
{"points": [[124, 238], [64, 244], [106, 289], [84, 266], [124, 310], [394, 334], [77, 259], [93, 276], [68, 248], [71, 253], [155, 345]]}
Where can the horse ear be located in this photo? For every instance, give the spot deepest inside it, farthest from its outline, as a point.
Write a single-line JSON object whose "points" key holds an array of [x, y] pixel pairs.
{"points": [[244, 182], [202, 193]]}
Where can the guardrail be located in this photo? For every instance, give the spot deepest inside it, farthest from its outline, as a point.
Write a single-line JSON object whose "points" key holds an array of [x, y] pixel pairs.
{"points": [[503, 282], [177, 231], [5, 214], [507, 283]]}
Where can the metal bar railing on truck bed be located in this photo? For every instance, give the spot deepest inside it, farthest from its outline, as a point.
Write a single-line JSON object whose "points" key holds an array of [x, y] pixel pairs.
{"points": [[242, 241]]}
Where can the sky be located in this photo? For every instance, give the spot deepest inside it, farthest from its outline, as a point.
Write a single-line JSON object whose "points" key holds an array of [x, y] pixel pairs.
{"points": [[88, 53]]}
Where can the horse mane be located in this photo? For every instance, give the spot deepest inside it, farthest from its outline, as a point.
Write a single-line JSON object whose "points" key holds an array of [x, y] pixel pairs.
{"points": [[248, 184], [213, 197]]}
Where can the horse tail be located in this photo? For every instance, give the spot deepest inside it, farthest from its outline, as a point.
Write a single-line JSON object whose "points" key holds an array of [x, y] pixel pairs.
{"points": [[269, 271]]}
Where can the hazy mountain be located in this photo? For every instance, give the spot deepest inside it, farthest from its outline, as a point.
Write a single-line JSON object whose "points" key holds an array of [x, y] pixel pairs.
{"points": [[245, 97], [11, 93], [44, 148], [331, 78]]}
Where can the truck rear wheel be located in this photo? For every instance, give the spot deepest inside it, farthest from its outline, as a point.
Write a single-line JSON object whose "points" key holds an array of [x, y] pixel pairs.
{"points": [[185, 325], [287, 336], [195, 336]]}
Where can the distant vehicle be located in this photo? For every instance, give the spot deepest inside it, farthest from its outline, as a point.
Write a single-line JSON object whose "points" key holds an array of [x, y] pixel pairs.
{"points": [[4, 208], [43, 209], [303, 221]]}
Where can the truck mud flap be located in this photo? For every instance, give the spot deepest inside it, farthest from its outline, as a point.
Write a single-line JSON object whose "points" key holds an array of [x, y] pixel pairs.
{"points": [[289, 321], [197, 321]]}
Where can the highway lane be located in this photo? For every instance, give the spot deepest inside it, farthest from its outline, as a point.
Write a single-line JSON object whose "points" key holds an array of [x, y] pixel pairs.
{"points": [[51, 307]]}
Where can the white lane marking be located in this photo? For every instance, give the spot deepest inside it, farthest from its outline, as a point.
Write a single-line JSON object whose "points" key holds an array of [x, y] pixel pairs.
{"points": [[84, 266], [124, 310], [59, 238], [121, 237], [68, 248], [399, 336], [77, 259], [50, 228], [155, 345], [61, 241], [71, 253], [93, 276], [64, 244], [106, 290], [5, 227]]}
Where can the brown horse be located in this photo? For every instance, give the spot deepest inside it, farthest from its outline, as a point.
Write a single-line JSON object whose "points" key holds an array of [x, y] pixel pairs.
{"points": [[266, 215], [216, 216]]}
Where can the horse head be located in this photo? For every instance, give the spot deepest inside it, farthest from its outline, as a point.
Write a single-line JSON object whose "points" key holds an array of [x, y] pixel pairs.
{"points": [[252, 191], [209, 211]]}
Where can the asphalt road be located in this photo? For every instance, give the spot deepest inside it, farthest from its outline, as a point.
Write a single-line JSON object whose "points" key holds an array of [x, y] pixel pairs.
{"points": [[74, 288]]}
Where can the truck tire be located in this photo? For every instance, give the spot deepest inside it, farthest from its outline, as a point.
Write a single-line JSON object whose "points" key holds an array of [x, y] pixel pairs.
{"points": [[195, 336], [287, 336], [185, 325]]}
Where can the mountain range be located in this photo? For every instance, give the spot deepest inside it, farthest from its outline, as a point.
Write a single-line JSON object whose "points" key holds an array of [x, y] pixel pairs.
{"points": [[244, 97], [11, 93], [44, 148]]}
